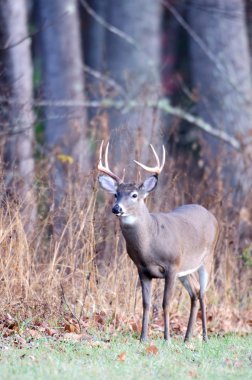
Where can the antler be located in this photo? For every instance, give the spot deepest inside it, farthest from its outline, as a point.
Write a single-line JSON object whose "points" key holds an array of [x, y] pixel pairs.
{"points": [[105, 168], [156, 169]]}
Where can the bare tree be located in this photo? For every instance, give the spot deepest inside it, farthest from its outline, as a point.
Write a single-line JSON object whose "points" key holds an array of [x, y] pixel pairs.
{"points": [[130, 58], [134, 63], [62, 77], [18, 73], [221, 71]]}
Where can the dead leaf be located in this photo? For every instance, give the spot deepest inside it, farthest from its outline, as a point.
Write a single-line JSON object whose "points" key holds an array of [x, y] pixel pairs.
{"points": [[152, 349], [65, 158], [19, 342], [100, 318], [51, 332], [122, 357], [228, 362], [69, 327], [136, 326], [34, 334], [193, 374], [8, 332]]}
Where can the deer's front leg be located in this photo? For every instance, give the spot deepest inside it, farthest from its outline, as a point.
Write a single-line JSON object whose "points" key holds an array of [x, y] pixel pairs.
{"points": [[146, 293], [168, 292]]}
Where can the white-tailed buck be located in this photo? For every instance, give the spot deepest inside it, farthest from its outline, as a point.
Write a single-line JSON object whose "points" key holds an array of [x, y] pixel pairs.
{"points": [[179, 244]]}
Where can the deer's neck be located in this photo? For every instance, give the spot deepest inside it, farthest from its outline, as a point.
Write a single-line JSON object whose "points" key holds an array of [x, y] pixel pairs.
{"points": [[137, 229]]}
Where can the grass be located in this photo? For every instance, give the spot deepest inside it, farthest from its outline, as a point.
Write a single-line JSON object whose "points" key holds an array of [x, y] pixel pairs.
{"points": [[228, 357]]}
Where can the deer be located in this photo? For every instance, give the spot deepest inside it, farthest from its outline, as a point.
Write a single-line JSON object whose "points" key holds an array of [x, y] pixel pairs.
{"points": [[167, 245]]}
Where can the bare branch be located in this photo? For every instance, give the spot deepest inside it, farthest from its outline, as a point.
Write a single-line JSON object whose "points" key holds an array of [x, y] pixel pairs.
{"points": [[107, 25], [9, 45], [162, 104], [104, 78]]}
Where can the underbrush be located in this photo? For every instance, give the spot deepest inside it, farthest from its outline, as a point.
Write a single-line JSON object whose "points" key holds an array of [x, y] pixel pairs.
{"points": [[72, 262]]}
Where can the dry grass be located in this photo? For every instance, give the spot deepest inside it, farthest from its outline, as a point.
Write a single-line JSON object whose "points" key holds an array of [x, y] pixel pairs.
{"points": [[83, 266]]}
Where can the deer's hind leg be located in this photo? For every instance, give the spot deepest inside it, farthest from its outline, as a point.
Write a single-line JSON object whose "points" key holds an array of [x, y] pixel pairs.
{"points": [[188, 284], [203, 280]]}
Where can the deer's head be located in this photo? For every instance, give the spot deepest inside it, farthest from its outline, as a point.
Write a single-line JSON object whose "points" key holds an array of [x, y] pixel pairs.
{"points": [[129, 196]]}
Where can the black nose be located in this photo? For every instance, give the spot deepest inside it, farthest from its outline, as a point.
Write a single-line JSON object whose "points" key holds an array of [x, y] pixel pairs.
{"points": [[117, 209]]}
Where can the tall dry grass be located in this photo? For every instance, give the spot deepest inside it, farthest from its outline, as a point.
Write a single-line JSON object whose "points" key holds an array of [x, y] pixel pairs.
{"points": [[83, 265]]}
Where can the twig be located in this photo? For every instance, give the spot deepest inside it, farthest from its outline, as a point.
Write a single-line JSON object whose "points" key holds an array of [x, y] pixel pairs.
{"points": [[30, 35], [111, 82]]}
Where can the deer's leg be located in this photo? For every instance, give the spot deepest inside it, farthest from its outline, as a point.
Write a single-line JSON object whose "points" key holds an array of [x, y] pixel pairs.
{"points": [[203, 279], [168, 292], [203, 313], [193, 312], [146, 293]]}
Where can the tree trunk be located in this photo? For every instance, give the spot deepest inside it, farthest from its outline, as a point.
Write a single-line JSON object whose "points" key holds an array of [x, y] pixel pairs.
{"points": [[249, 27], [63, 79], [135, 67], [18, 75], [221, 73]]}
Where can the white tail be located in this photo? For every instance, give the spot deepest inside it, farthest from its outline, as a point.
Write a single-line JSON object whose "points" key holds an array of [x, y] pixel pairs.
{"points": [[179, 244]]}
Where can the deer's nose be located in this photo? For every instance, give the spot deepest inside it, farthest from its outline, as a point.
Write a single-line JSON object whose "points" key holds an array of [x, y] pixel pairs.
{"points": [[117, 209]]}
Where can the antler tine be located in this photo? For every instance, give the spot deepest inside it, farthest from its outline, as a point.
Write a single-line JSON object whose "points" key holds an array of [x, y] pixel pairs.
{"points": [[155, 154], [100, 155], [106, 156], [163, 160], [156, 169], [105, 168]]}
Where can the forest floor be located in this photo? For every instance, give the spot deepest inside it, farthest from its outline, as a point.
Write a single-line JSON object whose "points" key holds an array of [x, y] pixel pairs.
{"points": [[98, 355]]}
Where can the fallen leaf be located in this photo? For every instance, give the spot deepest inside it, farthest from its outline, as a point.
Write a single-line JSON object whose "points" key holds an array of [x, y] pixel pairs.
{"points": [[151, 349], [228, 362], [136, 326], [51, 332], [69, 327], [34, 334], [19, 342], [193, 374], [121, 357]]}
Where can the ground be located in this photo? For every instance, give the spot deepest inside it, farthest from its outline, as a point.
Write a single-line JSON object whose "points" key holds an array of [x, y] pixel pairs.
{"points": [[99, 356]]}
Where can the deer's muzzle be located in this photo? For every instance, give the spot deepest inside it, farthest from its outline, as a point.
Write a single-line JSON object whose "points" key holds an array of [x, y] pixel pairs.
{"points": [[117, 209]]}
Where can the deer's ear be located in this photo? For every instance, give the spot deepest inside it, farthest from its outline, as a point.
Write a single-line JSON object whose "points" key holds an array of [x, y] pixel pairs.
{"points": [[108, 184], [148, 185]]}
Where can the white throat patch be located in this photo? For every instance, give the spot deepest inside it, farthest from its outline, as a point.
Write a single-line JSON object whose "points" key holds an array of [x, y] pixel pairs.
{"points": [[128, 219]]}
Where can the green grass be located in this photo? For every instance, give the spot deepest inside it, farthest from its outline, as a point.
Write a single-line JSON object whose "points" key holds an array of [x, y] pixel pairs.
{"points": [[228, 357]]}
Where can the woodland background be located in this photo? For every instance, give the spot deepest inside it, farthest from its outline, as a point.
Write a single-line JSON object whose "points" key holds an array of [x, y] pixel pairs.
{"points": [[73, 73]]}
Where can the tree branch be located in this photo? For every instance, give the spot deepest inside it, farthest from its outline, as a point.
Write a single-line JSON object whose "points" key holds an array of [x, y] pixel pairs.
{"points": [[107, 25], [126, 106]]}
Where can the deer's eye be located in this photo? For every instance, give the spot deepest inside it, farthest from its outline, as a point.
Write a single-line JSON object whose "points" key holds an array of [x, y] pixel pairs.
{"points": [[134, 195], [116, 196]]}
